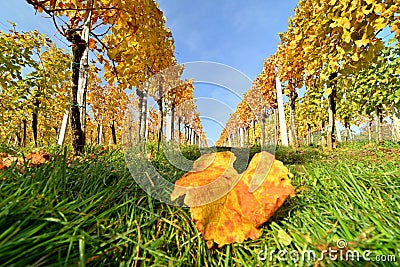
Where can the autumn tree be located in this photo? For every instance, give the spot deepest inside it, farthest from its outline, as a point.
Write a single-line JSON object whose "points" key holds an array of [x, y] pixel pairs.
{"points": [[338, 38], [129, 37], [34, 75]]}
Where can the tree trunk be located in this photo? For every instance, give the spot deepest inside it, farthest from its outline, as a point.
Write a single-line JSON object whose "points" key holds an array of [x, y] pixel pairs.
{"points": [[185, 133], [139, 94], [339, 136], [293, 128], [91, 136], [56, 130], [254, 133], [113, 133], [35, 116], [99, 134], [24, 126], [379, 121], [323, 131], [281, 112], [369, 130], [263, 130], [143, 115], [276, 131], [309, 135], [83, 75], [17, 140], [103, 134], [330, 135], [9, 140], [193, 141], [312, 138], [168, 123], [346, 131], [246, 136], [241, 133], [396, 122], [35, 128], [78, 48], [173, 123], [160, 118], [179, 129], [323, 135]]}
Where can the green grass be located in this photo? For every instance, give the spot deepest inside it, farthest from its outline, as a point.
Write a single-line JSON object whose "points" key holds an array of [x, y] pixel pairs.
{"points": [[90, 212]]}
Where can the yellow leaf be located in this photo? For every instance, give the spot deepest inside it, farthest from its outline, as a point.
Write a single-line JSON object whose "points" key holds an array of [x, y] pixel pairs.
{"points": [[239, 214], [340, 50], [220, 178], [355, 57], [380, 24], [344, 23], [328, 91], [346, 36], [379, 8], [360, 43], [298, 37]]}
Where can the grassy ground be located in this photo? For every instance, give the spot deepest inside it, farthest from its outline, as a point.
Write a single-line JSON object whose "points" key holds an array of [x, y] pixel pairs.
{"points": [[89, 211]]}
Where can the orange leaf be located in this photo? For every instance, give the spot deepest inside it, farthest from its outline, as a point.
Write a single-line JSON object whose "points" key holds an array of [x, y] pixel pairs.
{"points": [[92, 44], [2, 166], [37, 158], [211, 178], [240, 213]]}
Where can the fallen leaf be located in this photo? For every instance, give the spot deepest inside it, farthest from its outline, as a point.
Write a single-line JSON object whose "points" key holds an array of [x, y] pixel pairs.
{"points": [[8, 161], [211, 177], [34, 159], [37, 159], [239, 213], [367, 146], [2, 166]]}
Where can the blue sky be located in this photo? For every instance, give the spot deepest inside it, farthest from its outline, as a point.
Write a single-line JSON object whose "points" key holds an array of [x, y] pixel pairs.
{"points": [[239, 34], [236, 33]]}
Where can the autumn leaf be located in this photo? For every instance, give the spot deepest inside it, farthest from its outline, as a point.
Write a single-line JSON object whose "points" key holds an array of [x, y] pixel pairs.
{"points": [[240, 213], [92, 44], [34, 160], [210, 179], [8, 161]]}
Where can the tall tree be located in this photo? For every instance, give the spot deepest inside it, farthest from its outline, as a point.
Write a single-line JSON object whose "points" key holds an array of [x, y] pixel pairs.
{"points": [[129, 38]]}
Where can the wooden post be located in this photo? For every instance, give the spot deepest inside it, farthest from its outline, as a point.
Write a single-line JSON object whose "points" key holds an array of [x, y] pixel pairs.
{"points": [[63, 130], [281, 112]]}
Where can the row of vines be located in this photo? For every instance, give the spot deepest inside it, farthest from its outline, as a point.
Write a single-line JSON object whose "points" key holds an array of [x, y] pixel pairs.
{"points": [[345, 56], [114, 48]]}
